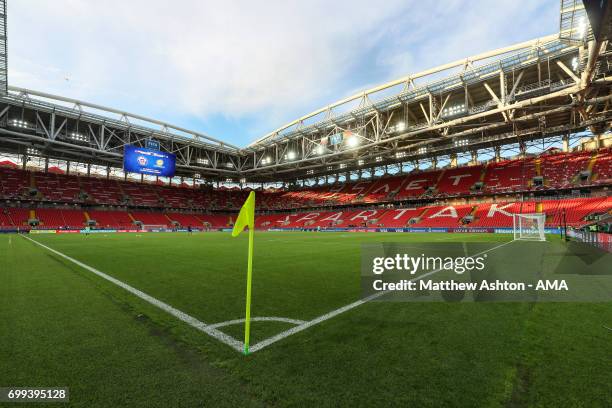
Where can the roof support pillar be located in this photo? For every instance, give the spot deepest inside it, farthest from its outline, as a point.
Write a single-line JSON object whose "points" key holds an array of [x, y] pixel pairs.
{"points": [[566, 142]]}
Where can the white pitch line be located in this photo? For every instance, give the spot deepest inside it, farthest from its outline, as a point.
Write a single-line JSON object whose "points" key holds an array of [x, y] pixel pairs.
{"points": [[211, 330], [258, 319], [192, 321], [333, 313]]}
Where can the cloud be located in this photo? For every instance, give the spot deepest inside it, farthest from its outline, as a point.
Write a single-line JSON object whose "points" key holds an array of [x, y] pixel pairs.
{"points": [[258, 63], [198, 57]]}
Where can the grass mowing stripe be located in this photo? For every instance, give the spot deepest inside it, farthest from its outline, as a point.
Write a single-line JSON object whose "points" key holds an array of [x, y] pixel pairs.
{"points": [[192, 321], [334, 313]]}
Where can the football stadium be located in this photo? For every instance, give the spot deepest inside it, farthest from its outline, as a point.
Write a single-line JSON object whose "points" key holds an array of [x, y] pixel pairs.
{"points": [[439, 240]]}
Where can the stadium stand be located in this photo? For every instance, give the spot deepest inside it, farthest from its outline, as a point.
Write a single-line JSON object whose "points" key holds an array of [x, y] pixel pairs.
{"points": [[504, 177], [5, 219], [185, 220], [480, 215], [443, 216], [28, 195], [398, 218], [101, 191], [551, 170], [459, 180], [152, 218], [111, 219], [19, 216], [418, 184]]}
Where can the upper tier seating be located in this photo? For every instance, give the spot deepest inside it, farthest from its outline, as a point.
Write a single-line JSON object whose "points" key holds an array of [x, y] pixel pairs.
{"points": [[552, 170], [561, 170], [14, 184], [505, 176], [459, 180], [602, 168], [101, 191], [418, 183]]}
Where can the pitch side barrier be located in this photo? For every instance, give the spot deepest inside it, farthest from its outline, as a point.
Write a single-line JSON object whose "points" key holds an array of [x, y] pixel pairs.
{"points": [[415, 230], [11, 230], [448, 230], [601, 240], [104, 231]]}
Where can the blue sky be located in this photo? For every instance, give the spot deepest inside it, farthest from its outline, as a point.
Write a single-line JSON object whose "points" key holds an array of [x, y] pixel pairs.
{"points": [[237, 70]]}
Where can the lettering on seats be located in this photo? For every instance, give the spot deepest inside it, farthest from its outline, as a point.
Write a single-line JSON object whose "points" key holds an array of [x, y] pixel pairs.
{"points": [[359, 187], [496, 208], [384, 187], [414, 184], [333, 217], [309, 216], [458, 178], [365, 215], [401, 213], [449, 211]]}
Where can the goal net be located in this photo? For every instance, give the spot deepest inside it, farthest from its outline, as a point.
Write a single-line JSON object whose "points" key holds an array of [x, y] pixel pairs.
{"points": [[529, 226], [153, 227]]}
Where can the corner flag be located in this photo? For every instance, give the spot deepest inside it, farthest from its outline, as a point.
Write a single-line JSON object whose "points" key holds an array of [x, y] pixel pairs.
{"points": [[246, 218]]}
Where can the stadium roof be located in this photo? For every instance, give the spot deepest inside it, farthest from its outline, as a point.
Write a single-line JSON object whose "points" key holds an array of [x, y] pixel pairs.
{"points": [[548, 86]]}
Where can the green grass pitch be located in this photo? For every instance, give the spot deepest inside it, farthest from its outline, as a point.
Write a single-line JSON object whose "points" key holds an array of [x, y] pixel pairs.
{"points": [[61, 325]]}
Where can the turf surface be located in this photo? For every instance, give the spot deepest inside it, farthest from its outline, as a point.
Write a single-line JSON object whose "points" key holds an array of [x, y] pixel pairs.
{"points": [[63, 326]]}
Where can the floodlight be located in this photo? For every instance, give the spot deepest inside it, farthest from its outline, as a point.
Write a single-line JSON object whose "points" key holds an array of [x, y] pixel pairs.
{"points": [[352, 141]]}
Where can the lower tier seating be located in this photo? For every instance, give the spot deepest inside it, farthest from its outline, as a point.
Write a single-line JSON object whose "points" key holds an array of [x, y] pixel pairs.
{"points": [[572, 211]]}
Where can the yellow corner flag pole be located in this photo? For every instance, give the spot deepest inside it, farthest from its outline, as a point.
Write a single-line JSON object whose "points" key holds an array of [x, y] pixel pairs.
{"points": [[247, 321], [246, 218]]}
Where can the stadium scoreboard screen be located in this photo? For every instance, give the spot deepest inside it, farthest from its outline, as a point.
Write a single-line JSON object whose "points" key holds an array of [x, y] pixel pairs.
{"points": [[148, 161]]}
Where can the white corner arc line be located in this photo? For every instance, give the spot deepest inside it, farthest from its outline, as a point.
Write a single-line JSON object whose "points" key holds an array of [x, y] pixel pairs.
{"points": [[258, 319], [192, 321], [333, 313]]}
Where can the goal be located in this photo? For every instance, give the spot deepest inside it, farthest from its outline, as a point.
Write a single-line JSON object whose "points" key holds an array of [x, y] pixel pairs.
{"points": [[529, 226], [153, 227]]}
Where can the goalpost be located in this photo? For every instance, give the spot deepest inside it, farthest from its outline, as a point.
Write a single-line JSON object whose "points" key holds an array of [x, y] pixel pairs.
{"points": [[529, 226]]}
